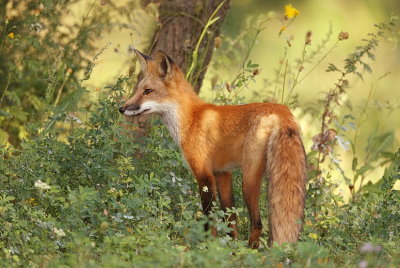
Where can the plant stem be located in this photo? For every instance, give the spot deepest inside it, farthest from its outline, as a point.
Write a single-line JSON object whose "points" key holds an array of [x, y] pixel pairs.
{"points": [[84, 18], [60, 90], [324, 125], [278, 74], [5, 89], [284, 81], [249, 49], [319, 62], [296, 81], [358, 124], [210, 22]]}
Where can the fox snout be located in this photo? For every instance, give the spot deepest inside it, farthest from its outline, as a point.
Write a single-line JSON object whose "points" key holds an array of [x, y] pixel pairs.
{"points": [[121, 109], [129, 108]]}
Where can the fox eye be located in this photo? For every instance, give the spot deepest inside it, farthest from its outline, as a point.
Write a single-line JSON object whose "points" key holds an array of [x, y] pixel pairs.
{"points": [[147, 91]]}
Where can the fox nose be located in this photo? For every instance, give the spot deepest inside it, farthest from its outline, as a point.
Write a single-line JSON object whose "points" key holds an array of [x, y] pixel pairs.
{"points": [[121, 110]]}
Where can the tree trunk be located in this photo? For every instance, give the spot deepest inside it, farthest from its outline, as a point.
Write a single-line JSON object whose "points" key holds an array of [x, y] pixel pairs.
{"points": [[181, 24]]}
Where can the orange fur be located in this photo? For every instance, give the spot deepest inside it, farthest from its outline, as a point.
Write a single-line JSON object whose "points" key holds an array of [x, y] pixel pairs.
{"points": [[259, 138]]}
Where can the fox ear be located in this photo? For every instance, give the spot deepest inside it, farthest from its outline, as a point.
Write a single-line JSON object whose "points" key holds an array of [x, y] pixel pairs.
{"points": [[143, 59], [164, 63]]}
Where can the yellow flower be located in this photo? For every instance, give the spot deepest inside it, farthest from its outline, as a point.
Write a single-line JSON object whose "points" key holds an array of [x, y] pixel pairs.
{"points": [[291, 12], [313, 236], [11, 35], [31, 201]]}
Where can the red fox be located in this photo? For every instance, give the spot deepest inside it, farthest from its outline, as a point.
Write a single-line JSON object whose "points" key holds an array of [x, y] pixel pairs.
{"points": [[259, 138]]}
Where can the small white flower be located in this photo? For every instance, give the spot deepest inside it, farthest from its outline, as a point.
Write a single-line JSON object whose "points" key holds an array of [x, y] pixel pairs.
{"points": [[36, 27], [41, 185], [205, 189], [59, 232]]}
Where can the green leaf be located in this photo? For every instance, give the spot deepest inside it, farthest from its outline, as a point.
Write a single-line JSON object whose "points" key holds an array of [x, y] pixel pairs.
{"points": [[354, 164], [367, 68], [3, 136], [364, 169], [5, 114], [377, 144], [331, 68]]}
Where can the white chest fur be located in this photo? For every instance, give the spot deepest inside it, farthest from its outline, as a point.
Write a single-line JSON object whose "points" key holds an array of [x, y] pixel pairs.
{"points": [[170, 118]]}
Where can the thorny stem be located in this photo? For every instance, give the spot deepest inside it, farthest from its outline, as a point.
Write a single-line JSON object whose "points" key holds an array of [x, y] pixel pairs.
{"points": [[319, 62], [325, 114], [349, 68]]}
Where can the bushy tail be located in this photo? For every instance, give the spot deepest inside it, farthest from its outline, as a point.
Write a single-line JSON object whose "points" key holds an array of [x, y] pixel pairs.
{"points": [[286, 167]]}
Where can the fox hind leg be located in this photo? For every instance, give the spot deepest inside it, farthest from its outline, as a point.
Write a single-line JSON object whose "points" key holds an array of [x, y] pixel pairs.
{"points": [[252, 179], [208, 193], [224, 186]]}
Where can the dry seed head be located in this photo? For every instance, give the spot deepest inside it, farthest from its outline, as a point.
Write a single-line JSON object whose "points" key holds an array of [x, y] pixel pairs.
{"points": [[217, 42], [308, 37], [343, 36], [228, 87]]}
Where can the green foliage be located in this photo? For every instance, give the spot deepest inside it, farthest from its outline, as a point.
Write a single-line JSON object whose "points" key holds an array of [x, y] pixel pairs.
{"points": [[102, 198], [39, 63]]}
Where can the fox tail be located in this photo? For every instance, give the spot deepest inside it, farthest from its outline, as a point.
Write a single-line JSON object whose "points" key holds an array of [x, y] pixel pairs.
{"points": [[287, 171]]}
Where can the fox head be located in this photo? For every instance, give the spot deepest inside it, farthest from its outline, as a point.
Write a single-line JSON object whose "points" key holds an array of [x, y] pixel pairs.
{"points": [[158, 89]]}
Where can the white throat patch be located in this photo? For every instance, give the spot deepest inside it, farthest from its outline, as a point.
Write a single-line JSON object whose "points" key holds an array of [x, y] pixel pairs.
{"points": [[170, 118], [169, 115]]}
